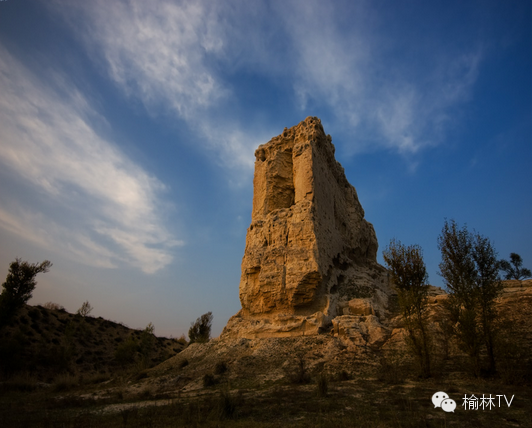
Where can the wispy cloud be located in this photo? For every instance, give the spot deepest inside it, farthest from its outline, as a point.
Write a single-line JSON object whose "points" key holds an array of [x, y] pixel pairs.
{"points": [[157, 52], [368, 84], [166, 54], [43, 231], [178, 57], [48, 141]]}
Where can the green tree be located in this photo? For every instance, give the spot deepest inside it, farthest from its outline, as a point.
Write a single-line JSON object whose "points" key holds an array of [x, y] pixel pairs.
{"points": [[409, 275], [513, 269], [200, 331], [458, 271], [469, 268], [18, 287]]}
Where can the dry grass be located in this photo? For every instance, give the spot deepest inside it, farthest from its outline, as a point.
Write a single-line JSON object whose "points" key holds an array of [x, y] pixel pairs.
{"points": [[358, 402], [268, 383]]}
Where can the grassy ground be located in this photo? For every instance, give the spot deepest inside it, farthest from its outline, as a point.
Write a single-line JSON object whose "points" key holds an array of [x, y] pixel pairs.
{"points": [[364, 402], [278, 382]]}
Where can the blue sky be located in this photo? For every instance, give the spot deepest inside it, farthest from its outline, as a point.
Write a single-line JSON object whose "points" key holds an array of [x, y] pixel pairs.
{"points": [[127, 133]]}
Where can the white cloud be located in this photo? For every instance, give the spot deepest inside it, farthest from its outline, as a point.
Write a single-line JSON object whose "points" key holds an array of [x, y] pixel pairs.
{"points": [[366, 82], [46, 233], [178, 56], [156, 51], [166, 54], [49, 142]]}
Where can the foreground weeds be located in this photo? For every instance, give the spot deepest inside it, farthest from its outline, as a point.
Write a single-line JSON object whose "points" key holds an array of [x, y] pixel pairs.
{"points": [[369, 402]]}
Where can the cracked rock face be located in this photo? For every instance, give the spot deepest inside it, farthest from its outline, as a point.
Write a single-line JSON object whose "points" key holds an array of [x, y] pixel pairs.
{"points": [[309, 250]]}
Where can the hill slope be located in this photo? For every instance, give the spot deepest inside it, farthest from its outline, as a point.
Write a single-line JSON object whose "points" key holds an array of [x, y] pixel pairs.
{"points": [[46, 342]]}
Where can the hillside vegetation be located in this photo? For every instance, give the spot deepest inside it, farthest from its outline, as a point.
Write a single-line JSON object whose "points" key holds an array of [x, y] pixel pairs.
{"points": [[313, 381], [46, 343]]}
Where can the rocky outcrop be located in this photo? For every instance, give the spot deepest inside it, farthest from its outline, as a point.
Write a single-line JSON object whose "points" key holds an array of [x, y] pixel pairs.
{"points": [[310, 254]]}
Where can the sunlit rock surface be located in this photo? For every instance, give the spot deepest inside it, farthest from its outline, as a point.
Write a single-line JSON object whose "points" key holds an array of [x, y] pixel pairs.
{"points": [[310, 254]]}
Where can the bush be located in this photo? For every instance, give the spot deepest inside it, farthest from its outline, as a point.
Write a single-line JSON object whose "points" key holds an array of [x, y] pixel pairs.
{"points": [[182, 340], [209, 380], [220, 368], [53, 306], [343, 376], [298, 374], [147, 341], [126, 352], [200, 331], [85, 309]]}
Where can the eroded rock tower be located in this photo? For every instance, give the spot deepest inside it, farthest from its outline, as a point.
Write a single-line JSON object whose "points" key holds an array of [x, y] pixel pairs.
{"points": [[310, 255]]}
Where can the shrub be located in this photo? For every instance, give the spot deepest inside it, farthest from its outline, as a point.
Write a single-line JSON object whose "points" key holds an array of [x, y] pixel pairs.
{"points": [[126, 352], [85, 309], [182, 340], [208, 380], [53, 306], [220, 368], [343, 376], [513, 269], [298, 374], [147, 341], [200, 331]]}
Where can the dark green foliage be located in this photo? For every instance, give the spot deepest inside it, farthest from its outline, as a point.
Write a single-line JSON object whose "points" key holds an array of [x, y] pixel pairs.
{"points": [[200, 331], [470, 268], [18, 287], [513, 269], [409, 275]]}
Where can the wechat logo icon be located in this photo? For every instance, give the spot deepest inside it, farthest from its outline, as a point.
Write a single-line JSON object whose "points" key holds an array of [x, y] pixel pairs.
{"points": [[441, 399]]}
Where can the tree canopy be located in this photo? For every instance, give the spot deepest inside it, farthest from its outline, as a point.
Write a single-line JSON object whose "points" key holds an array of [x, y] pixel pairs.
{"points": [[19, 285], [200, 331], [513, 269]]}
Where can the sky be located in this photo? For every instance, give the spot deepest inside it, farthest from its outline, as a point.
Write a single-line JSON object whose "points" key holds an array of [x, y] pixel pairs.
{"points": [[128, 131]]}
